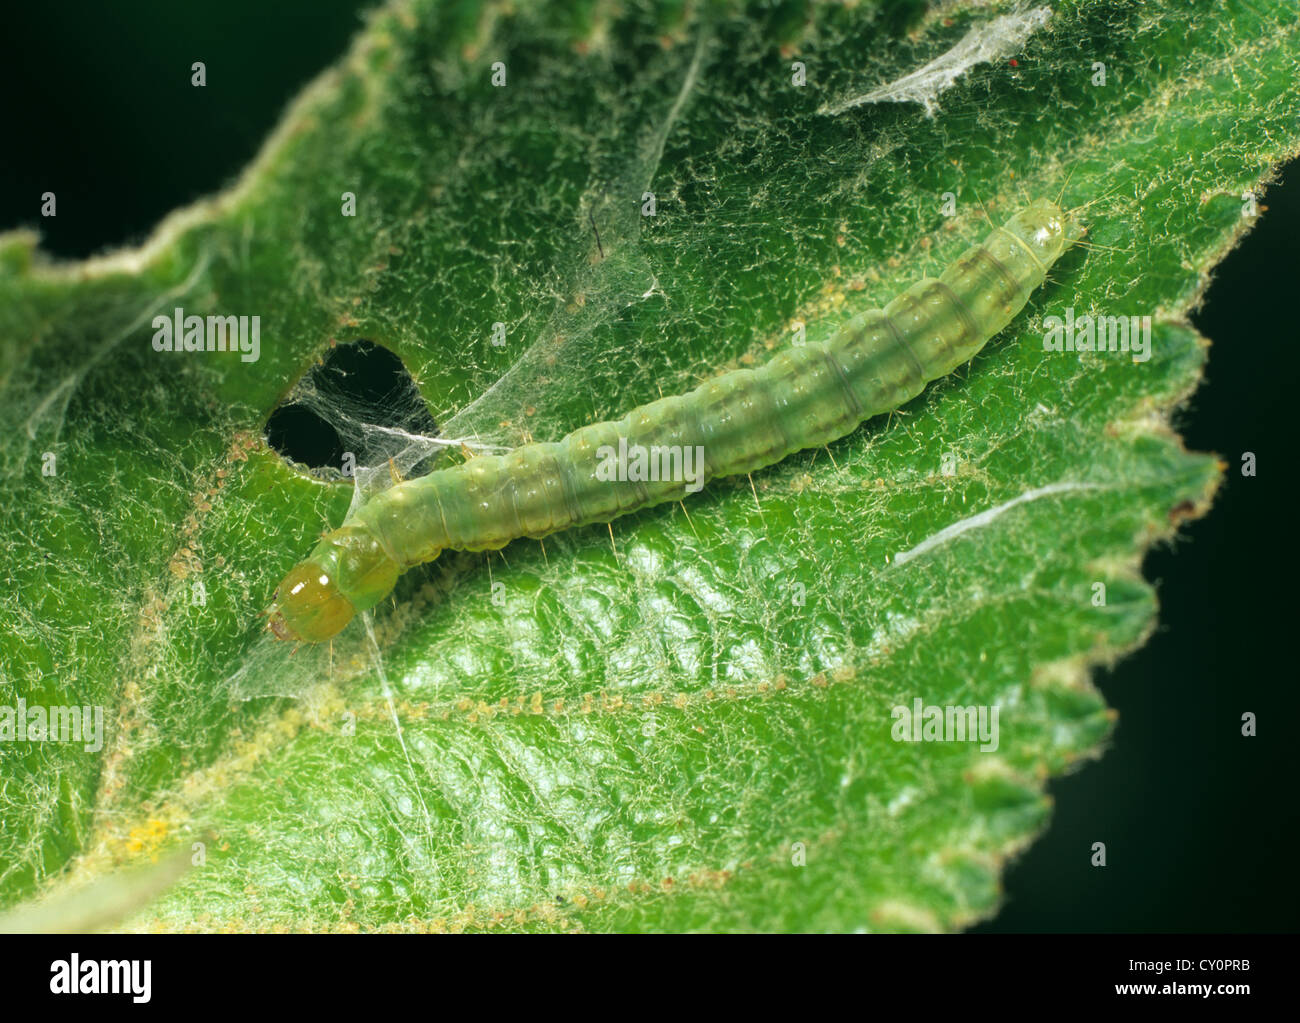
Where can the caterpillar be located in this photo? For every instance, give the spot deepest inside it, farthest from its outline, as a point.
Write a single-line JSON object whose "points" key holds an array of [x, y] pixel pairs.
{"points": [[806, 396]]}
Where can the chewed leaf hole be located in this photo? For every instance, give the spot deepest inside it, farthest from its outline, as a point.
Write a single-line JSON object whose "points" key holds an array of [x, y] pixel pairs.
{"points": [[357, 408]]}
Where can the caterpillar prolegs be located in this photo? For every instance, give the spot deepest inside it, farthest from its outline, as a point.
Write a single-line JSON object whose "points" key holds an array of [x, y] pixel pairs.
{"points": [[744, 420]]}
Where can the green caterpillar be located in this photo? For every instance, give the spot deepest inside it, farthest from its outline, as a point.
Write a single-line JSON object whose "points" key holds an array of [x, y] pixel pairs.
{"points": [[805, 397]]}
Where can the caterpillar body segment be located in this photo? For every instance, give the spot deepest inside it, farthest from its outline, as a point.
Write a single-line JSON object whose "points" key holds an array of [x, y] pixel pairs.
{"points": [[738, 422]]}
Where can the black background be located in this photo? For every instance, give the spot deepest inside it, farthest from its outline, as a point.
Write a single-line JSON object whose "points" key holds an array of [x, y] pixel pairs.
{"points": [[1200, 824]]}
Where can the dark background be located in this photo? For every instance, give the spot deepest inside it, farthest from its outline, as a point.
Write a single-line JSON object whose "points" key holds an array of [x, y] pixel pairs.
{"points": [[1200, 824]]}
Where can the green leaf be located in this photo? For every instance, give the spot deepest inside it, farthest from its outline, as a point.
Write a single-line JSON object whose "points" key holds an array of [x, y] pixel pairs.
{"points": [[687, 724]]}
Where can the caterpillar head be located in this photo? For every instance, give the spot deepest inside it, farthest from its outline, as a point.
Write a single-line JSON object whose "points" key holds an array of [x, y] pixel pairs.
{"points": [[308, 606], [1046, 230], [349, 571]]}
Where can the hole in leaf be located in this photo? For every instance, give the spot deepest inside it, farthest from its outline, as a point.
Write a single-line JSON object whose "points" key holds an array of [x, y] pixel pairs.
{"points": [[360, 400], [302, 436]]}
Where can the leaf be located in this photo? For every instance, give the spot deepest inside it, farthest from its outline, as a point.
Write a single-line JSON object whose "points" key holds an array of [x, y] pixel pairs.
{"points": [[649, 730]]}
